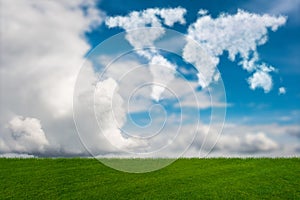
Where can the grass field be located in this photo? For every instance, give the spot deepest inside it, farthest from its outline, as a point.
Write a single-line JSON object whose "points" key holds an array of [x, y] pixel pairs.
{"points": [[184, 179]]}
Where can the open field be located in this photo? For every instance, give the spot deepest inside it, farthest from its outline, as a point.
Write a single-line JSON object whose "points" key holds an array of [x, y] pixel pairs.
{"points": [[184, 179]]}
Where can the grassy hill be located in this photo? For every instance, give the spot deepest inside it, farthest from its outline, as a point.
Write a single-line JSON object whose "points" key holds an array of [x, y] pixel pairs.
{"points": [[184, 179]]}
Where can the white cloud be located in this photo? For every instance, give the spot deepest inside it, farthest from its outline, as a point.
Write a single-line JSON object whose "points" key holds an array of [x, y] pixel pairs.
{"points": [[42, 49], [205, 64], [238, 34], [281, 90], [41, 53], [246, 140], [236, 140], [171, 16], [247, 143], [142, 38], [149, 16], [260, 79], [133, 74], [163, 72], [26, 136], [264, 140], [202, 12], [130, 74], [51, 47], [259, 141], [111, 114]]}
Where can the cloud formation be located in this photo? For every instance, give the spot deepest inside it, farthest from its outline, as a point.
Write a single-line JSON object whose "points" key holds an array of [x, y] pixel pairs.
{"points": [[248, 143], [111, 115], [239, 35], [42, 48], [260, 79], [26, 136], [39, 68], [50, 49], [142, 39], [245, 140]]}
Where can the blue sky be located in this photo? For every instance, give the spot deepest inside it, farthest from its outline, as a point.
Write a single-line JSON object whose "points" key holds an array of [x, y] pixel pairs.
{"points": [[64, 109]]}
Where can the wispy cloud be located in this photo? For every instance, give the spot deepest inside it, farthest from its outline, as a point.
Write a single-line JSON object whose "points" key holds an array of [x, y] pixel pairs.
{"points": [[276, 7]]}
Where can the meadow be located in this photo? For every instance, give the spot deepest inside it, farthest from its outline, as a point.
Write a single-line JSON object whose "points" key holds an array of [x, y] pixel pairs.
{"points": [[218, 178]]}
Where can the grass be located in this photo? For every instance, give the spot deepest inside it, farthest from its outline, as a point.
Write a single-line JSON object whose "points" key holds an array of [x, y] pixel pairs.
{"points": [[184, 179]]}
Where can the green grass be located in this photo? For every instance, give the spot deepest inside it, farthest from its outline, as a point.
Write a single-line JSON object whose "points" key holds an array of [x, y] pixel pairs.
{"points": [[184, 179]]}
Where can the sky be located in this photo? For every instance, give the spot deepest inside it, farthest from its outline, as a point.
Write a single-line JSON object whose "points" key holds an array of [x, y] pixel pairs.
{"points": [[149, 78]]}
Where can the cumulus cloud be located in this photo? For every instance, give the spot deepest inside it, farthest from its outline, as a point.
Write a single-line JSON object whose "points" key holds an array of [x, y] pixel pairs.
{"points": [[51, 47], [42, 48], [26, 136], [111, 114], [260, 79], [142, 38], [239, 35]]}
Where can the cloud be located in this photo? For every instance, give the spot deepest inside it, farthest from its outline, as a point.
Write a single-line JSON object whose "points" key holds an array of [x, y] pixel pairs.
{"points": [[295, 132], [245, 140], [142, 38], [236, 140], [133, 94], [249, 143], [252, 143], [281, 90], [42, 48], [26, 136], [258, 142], [260, 79], [148, 17], [41, 53], [111, 115], [50, 47], [132, 74], [239, 35], [264, 140]]}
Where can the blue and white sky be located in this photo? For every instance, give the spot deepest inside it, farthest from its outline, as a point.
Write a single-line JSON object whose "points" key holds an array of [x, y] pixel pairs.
{"points": [[53, 53]]}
